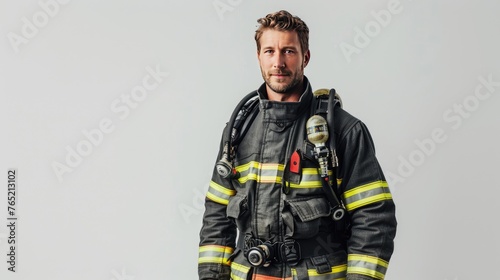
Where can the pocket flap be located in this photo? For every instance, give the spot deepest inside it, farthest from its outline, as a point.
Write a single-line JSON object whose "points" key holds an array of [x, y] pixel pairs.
{"points": [[310, 209], [236, 206]]}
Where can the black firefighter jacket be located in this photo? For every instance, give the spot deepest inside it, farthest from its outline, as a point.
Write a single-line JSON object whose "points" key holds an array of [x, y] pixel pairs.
{"points": [[264, 204]]}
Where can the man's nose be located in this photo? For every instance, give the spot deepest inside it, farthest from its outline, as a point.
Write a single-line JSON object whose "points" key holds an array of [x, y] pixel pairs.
{"points": [[279, 61]]}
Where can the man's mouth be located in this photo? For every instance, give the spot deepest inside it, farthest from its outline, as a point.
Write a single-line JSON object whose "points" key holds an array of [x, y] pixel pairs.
{"points": [[280, 75]]}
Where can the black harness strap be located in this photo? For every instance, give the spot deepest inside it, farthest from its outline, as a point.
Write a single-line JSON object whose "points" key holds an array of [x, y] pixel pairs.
{"points": [[325, 107]]}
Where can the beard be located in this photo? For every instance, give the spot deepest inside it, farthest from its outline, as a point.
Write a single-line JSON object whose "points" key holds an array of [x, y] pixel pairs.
{"points": [[284, 88]]}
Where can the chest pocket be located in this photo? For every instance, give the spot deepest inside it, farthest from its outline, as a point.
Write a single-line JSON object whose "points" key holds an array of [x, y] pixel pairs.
{"points": [[305, 217], [237, 207]]}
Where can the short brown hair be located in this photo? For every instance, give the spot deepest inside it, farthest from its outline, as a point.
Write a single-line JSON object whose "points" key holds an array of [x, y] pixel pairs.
{"points": [[284, 21]]}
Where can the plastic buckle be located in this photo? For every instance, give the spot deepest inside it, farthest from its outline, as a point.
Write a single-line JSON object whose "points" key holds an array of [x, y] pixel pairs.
{"points": [[289, 252]]}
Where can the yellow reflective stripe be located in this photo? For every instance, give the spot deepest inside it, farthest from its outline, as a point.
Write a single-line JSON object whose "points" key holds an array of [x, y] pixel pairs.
{"points": [[260, 172], [307, 185], [367, 194], [239, 271], [217, 199], [368, 259], [260, 179], [221, 189], [219, 193], [214, 254], [338, 273], [367, 265], [368, 200], [273, 173], [310, 171], [365, 187], [272, 166], [258, 165], [310, 179]]}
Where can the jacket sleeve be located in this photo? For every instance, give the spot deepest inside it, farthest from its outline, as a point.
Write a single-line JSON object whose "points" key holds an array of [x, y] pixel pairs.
{"points": [[369, 202], [217, 234]]}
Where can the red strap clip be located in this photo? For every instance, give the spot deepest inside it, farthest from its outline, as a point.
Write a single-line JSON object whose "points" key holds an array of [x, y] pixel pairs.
{"points": [[295, 162]]}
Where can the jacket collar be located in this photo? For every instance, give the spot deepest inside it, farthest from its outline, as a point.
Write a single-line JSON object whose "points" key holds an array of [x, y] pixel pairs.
{"points": [[285, 110]]}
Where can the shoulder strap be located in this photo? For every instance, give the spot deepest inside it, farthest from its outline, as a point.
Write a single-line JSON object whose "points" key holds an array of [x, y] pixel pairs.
{"points": [[326, 100], [331, 126], [244, 118], [236, 129]]}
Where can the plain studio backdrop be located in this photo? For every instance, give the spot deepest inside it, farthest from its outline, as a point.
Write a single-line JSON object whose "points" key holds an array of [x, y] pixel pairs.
{"points": [[112, 113]]}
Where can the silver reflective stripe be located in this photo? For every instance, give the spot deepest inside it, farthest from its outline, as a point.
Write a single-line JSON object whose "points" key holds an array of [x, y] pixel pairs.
{"points": [[367, 265], [367, 194], [239, 271], [219, 193], [214, 254], [260, 172]]}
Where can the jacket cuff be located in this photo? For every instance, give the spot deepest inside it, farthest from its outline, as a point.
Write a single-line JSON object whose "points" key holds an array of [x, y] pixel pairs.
{"points": [[214, 271], [213, 262], [366, 267]]}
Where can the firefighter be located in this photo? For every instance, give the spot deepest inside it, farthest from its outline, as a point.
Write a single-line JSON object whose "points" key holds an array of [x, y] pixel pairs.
{"points": [[297, 192]]}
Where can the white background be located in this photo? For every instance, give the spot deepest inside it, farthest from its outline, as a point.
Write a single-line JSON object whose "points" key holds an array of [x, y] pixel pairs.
{"points": [[132, 207]]}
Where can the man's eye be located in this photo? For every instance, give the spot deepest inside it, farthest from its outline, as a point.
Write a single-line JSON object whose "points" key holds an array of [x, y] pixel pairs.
{"points": [[289, 51]]}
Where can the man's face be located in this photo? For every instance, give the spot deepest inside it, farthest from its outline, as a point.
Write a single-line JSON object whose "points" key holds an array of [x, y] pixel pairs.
{"points": [[282, 64]]}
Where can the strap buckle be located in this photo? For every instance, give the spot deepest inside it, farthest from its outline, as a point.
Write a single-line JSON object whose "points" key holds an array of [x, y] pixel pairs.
{"points": [[289, 252]]}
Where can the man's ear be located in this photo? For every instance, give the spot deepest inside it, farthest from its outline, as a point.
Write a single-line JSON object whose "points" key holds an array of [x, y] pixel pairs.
{"points": [[307, 57]]}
